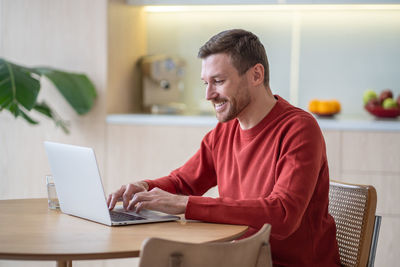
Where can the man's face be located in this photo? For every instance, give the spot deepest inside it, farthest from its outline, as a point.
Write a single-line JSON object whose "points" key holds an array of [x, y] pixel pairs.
{"points": [[227, 91]]}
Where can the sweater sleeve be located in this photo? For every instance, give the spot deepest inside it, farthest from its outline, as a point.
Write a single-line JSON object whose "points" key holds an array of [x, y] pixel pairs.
{"points": [[296, 174], [195, 177]]}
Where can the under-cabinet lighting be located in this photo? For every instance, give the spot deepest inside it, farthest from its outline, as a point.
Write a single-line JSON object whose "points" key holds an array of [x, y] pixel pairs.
{"points": [[279, 7]]}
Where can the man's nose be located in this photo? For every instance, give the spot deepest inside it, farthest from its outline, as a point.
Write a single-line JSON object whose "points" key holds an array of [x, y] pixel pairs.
{"points": [[210, 92]]}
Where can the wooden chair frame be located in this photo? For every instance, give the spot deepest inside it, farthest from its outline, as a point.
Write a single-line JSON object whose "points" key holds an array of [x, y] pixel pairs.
{"points": [[357, 227], [253, 251]]}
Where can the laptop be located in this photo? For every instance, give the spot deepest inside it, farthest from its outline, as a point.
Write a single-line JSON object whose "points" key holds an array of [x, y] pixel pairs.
{"points": [[80, 190]]}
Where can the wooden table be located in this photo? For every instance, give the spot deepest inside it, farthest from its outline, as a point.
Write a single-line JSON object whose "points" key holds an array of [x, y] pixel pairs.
{"points": [[30, 231]]}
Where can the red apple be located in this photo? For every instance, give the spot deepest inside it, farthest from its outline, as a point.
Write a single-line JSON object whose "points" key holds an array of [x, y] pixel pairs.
{"points": [[387, 93], [373, 103], [398, 101]]}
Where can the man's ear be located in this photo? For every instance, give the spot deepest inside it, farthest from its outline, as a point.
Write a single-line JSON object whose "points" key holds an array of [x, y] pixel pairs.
{"points": [[257, 74]]}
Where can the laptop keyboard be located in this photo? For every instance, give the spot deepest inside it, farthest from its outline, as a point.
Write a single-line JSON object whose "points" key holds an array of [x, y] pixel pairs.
{"points": [[120, 217]]}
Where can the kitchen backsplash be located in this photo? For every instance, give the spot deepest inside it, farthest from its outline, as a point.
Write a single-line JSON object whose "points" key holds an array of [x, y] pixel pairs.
{"points": [[314, 53]]}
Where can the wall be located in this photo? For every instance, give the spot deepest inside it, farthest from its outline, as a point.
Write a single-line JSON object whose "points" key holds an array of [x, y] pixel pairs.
{"points": [[65, 35], [314, 52], [70, 35], [178, 33], [126, 44]]}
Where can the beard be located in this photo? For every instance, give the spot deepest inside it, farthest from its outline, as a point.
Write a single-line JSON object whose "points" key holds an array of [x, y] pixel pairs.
{"points": [[235, 105]]}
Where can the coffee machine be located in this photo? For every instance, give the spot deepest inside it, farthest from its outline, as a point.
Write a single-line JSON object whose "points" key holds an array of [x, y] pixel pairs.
{"points": [[162, 83]]}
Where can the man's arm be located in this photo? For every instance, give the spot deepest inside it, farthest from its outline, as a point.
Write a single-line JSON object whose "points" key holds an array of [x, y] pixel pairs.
{"points": [[170, 193]]}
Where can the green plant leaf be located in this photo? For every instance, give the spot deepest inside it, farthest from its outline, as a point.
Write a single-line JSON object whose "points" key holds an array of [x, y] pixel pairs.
{"points": [[77, 89], [27, 118], [44, 109], [17, 86]]}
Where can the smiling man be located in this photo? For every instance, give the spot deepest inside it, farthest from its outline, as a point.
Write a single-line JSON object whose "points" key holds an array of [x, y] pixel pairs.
{"points": [[267, 157]]}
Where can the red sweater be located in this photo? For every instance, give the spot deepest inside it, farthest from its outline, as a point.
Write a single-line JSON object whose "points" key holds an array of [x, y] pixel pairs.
{"points": [[276, 173]]}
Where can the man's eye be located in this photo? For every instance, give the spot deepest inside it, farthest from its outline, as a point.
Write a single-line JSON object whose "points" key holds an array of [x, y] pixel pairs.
{"points": [[218, 81]]}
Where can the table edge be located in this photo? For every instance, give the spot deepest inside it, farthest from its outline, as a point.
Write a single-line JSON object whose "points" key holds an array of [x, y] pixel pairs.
{"points": [[69, 257]]}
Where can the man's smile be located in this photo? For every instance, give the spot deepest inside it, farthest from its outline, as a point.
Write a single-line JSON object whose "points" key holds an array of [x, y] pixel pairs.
{"points": [[219, 106]]}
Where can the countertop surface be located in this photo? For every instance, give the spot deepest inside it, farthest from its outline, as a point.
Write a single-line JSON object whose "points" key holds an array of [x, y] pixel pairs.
{"points": [[339, 122]]}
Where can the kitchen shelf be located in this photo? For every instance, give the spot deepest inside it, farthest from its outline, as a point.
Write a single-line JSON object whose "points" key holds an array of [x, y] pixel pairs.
{"points": [[346, 123], [359, 123], [161, 120]]}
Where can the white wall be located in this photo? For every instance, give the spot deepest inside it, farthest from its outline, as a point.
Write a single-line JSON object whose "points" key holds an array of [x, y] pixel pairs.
{"points": [[70, 35], [321, 53], [66, 34]]}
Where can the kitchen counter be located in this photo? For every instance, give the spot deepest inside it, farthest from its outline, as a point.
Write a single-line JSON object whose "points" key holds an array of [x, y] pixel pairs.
{"points": [[164, 120], [359, 123], [339, 122]]}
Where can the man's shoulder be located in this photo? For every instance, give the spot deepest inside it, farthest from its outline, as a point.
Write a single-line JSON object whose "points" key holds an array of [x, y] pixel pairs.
{"points": [[293, 114], [301, 120], [294, 121]]}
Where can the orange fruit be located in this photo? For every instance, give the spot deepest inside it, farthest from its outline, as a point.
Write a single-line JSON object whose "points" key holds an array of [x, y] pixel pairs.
{"points": [[326, 107], [336, 105], [313, 106]]}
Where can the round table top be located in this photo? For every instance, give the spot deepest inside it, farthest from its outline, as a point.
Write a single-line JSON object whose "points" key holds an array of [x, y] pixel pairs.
{"points": [[31, 231]]}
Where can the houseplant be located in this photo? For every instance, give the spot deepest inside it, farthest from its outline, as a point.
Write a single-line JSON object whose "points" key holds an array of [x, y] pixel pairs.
{"points": [[20, 86]]}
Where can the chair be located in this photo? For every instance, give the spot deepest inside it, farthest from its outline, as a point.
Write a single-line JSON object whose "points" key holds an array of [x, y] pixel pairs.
{"points": [[357, 227], [252, 251]]}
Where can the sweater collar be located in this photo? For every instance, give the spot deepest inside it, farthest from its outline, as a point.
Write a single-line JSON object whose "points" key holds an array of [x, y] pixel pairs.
{"points": [[273, 113]]}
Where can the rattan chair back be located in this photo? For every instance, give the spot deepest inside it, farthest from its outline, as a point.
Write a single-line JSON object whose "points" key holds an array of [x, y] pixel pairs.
{"points": [[353, 208]]}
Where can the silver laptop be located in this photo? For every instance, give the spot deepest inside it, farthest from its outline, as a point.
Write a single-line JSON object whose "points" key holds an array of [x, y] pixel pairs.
{"points": [[80, 190]]}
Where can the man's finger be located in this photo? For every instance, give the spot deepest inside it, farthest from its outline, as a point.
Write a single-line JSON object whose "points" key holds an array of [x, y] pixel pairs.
{"points": [[127, 195], [143, 205], [115, 197], [139, 197], [109, 200], [136, 199], [111, 205]]}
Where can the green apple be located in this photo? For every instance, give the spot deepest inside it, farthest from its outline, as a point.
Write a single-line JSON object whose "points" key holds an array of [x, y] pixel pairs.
{"points": [[368, 95], [387, 93], [389, 103]]}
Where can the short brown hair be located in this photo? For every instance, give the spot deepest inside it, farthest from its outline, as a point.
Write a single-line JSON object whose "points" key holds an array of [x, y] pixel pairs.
{"points": [[244, 48]]}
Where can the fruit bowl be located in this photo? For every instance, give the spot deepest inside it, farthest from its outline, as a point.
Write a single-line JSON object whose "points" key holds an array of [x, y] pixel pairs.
{"points": [[324, 108], [382, 112], [325, 115]]}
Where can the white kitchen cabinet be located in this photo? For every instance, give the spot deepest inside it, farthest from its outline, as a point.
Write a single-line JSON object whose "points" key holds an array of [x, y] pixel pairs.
{"points": [[371, 157], [371, 152], [333, 151], [136, 152]]}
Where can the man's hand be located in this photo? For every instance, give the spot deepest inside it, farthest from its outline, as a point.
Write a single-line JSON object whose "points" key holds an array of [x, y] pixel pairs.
{"points": [[126, 193], [160, 200]]}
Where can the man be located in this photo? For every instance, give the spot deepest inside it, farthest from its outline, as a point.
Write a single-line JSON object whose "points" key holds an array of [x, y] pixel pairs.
{"points": [[267, 157]]}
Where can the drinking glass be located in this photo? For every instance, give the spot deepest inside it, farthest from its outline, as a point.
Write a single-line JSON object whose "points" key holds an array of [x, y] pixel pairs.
{"points": [[51, 193]]}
